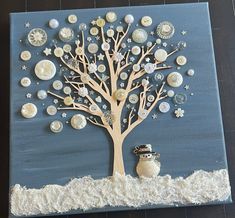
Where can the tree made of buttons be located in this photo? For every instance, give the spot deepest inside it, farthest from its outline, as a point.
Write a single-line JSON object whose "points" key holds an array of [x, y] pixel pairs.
{"points": [[112, 75]]}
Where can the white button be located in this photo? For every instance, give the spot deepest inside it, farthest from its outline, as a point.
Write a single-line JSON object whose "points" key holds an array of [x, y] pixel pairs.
{"points": [[93, 48], [56, 126], [120, 94], [136, 67], [123, 76], [146, 21], [142, 113], [51, 110], [66, 34], [149, 68], [93, 108], [67, 48], [45, 70], [29, 110], [133, 98], [129, 19], [68, 101], [105, 46], [111, 17], [150, 98], [25, 82], [25, 55], [67, 90], [170, 93], [79, 51], [58, 52], [78, 121], [165, 30], [72, 18], [110, 32], [42, 94], [119, 29], [85, 78], [190, 72], [174, 79], [181, 60], [101, 68], [135, 50], [160, 55], [94, 31], [100, 22], [164, 107], [53, 23], [82, 26], [57, 85], [37, 37], [139, 36], [158, 41], [144, 82]]}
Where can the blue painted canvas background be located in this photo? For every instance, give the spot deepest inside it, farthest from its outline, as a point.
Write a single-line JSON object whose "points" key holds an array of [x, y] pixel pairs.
{"points": [[39, 157]]}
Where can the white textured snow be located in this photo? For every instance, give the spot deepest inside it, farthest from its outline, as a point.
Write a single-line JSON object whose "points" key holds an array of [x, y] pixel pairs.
{"points": [[86, 193]]}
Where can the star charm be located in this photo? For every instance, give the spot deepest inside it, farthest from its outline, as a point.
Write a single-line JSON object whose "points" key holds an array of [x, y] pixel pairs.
{"points": [[184, 32], [47, 51], [28, 95], [93, 22], [24, 67], [186, 87], [27, 25], [64, 115], [152, 33], [108, 40], [154, 116], [128, 40], [97, 38], [100, 57]]}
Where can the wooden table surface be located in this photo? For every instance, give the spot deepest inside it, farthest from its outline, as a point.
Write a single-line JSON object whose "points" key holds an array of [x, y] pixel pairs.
{"points": [[223, 27]]}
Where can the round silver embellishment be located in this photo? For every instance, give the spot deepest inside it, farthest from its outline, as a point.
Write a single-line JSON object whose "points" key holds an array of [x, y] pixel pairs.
{"points": [[165, 30], [37, 37]]}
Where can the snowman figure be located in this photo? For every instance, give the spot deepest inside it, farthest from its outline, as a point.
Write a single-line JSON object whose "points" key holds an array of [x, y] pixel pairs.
{"points": [[148, 165]]}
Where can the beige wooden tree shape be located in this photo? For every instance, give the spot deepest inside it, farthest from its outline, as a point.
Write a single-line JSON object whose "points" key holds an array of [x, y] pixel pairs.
{"points": [[107, 89]]}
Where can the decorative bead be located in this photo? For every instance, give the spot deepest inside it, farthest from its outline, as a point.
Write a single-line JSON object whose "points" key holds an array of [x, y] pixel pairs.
{"points": [[53, 23]]}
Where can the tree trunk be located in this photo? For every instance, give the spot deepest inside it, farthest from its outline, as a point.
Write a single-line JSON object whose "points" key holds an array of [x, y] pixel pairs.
{"points": [[118, 164]]}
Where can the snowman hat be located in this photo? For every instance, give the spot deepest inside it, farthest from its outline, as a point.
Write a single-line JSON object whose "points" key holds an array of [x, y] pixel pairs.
{"points": [[143, 149]]}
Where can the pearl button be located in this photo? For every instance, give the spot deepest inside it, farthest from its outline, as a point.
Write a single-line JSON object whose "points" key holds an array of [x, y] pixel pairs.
{"points": [[68, 101], [45, 70], [149, 68], [133, 98], [164, 107], [146, 21], [72, 19], [129, 19], [105, 46], [29, 110], [170, 93], [94, 31], [181, 60], [160, 55], [42, 94], [25, 82], [58, 52], [142, 113], [92, 48], [51, 110], [78, 121], [174, 79], [150, 98], [139, 36], [25, 55], [56, 126], [57, 85], [120, 94], [180, 98], [100, 22], [190, 72], [165, 30], [135, 50], [66, 34], [111, 17], [101, 68], [110, 32], [53, 23], [123, 76], [67, 90]]}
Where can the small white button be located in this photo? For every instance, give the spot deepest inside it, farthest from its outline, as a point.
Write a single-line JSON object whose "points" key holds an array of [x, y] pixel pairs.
{"points": [[158, 41], [57, 85], [25, 55], [51, 110], [110, 32], [45, 70], [139, 36], [56, 126], [82, 26], [129, 19], [79, 51], [111, 17], [92, 48], [133, 98], [149, 68], [144, 82], [67, 48], [123, 76], [58, 52], [119, 29], [170, 93], [72, 19], [67, 90], [181, 60], [190, 72], [164, 107], [93, 108], [29, 110], [135, 50], [53, 23], [160, 55], [94, 31], [146, 21], [150, 98], [136, 67], [78, 121], [174, 79], [143, 113], [25, 82], [68, 101], [42, 94], [105, 46], [101, 68]]}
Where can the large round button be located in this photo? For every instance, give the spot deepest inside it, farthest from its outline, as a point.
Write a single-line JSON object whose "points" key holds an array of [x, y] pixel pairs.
{"points": [[51, 110], [25, 82], [56, 126], [133, 98], [174, 79], [45, 70], [92, 48], [37, 37], [181, 60], [139, 36], [53, 23], [29, 110], [164, 107], [111, 17], [42, 94], [25, 55], [146, 21], [57, 85], [149, 68], [78, 121], [66, 34], [120, 94], [160, 55], [129, 19], [135, 50], [165, 30], [72, 19], [180, 98]]}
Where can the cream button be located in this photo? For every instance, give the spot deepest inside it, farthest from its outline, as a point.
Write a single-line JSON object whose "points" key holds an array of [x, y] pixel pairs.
{"points": [[110, 32], [58, 52], [66, 34], [136, 67], [149, 68], [72, 19], [53, 23], [67, 90], [139, 36], [170, 93], [93, 108], [160, 55], [120, 94], [57, 85], [42, 94], [94, 31], [123, 76], [85, 78], [100, 22], [165, 30], [142, 113], [111, 17], [144, 82], [158, 41], [150, 98], [135, 50], [129, 19], [45, 70], [164, 107], [105, 46], [25, 55], [67, 48], [78, 121], [92, 48], [37, 37], [119, 29], [133, 98], [29, 110], [146, 21], [56, 126], [51, 110], [181, 60], [190, 72], [79, 51], [174, 79], [25, 82], [101, 68], [68, 101]]}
